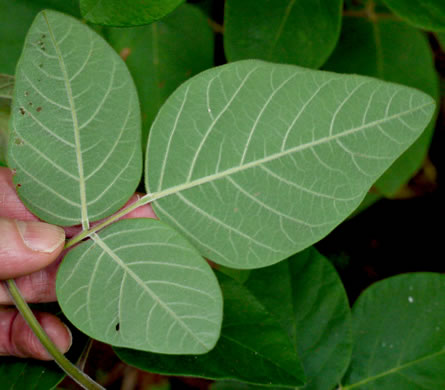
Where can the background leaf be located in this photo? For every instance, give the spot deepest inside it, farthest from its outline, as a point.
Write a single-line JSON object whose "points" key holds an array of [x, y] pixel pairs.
{"points": [[75, 127], [163, 55], [15, 18], [139, 284], [426, 14], [307, 296], [126, 12], [395, 52], [29, 374], [300, 32], [399, 335], [270, 158], [253, 346], [441, 39]]}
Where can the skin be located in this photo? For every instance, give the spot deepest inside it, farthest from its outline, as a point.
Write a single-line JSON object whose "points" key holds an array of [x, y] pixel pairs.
{"points": [[30, 252]]}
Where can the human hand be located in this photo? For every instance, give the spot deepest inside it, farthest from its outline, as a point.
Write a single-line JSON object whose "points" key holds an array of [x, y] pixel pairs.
{"points": [[30, 252]]}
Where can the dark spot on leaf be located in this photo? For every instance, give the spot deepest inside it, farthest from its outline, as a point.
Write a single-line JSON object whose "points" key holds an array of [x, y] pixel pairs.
{"points": [[38, 109], [22, 110], [117, 327], [18, 185], [30, 103], [40, 65], [26, 93], [18, 141], [43, 48], [43, 36]]}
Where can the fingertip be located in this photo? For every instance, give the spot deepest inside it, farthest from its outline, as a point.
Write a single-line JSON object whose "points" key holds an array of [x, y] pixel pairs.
{"points": [[26, 343], [27, 247]]}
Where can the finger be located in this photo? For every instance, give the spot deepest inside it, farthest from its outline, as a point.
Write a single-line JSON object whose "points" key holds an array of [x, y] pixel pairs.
{"points": [[10, 204], [26, 247], [37, 287], [17, 339]]}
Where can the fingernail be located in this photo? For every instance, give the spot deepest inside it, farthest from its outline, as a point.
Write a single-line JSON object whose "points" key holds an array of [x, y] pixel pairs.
{"points": [[40, 236], [71, 338]]}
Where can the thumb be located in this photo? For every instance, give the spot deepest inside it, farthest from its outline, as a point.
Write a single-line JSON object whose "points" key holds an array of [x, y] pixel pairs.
{"points": [[26, 247]]}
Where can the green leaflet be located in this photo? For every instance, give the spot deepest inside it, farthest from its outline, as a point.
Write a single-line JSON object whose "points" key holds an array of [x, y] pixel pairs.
{"points": [[441, 39], [75, 125], [126, 12], [163, 55], [396, 52], [139, 284], [306, 295], [300, 32], [305, 298], [15, 18], [270, 158], [425, 14], [253, 347], [399, 335]]}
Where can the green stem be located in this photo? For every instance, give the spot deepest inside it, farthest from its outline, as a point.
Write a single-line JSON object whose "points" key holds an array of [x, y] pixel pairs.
{"points": [[69, 368], [85, 233]]}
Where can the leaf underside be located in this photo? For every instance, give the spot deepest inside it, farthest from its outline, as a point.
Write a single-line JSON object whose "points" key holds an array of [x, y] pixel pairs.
{"points": [[75, 127], [253, 347], [270, 158], [139, 284], [392, 51]]}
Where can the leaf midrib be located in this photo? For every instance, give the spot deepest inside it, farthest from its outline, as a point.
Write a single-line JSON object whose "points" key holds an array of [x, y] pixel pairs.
{"points": [[82, 188], [138, 280], [207, 179]]}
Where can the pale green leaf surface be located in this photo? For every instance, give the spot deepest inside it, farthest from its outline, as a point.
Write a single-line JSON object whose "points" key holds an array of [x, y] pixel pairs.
{"points": [[6, 86], [270, 158], [425, 14], [300, 32], [126, 12], [15, 18], [139, 284], [75, 124], [253, 346], [396, 52], [306, 295], [163, 55], [399, 335]]}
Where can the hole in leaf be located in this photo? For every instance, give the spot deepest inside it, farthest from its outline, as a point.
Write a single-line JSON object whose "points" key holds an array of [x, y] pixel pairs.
{"points": [[117, 327]]}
